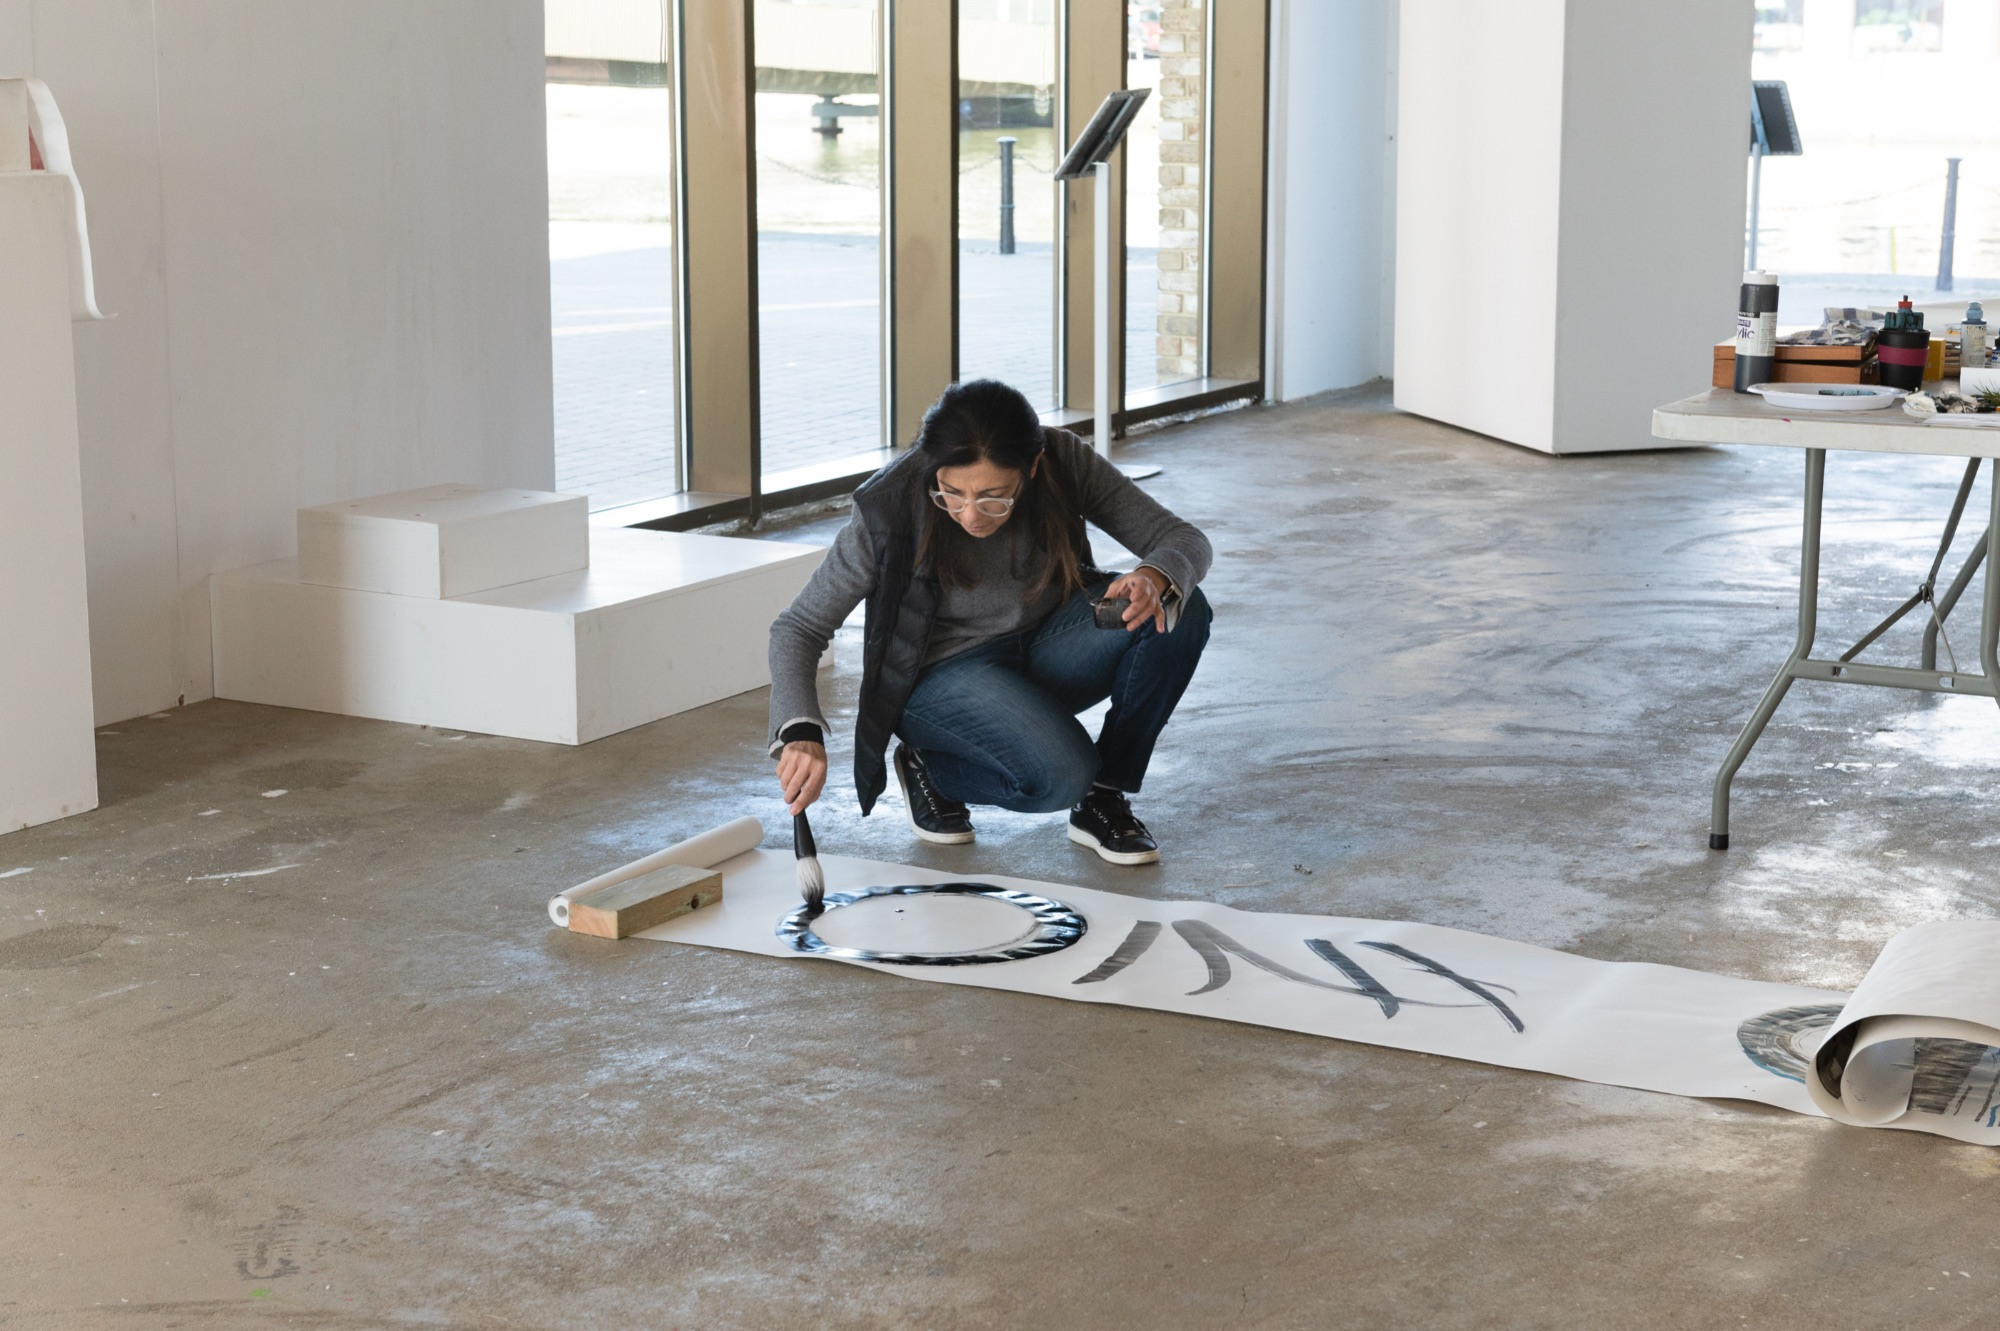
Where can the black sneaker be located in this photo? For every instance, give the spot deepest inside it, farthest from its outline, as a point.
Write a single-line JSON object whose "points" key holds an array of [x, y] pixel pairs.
{"points": [[932, 816], [1105, 822]]}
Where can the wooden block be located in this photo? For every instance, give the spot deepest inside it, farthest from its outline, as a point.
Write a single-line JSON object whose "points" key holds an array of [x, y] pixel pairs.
{"points": [[1827, 355], [624, 909]]}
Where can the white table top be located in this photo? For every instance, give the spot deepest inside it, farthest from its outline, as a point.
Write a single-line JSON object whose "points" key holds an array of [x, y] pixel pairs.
{"points": [[1722, 416]]}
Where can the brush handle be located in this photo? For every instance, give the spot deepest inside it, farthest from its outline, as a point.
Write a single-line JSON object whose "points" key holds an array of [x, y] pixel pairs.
{"points": [[802, 837]]}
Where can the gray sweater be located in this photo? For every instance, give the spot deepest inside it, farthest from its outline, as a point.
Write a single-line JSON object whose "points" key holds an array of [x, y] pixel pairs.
{"points": [[999, 604]]}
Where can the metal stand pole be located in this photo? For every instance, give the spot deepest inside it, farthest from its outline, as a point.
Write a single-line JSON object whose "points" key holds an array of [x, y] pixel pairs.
{"points": [[1756, 200], [1007, 142], [1718, 819], [1950, 235], [1101, 311]]}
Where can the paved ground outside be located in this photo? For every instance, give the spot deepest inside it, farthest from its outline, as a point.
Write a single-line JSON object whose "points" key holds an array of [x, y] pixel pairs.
{"points": [[819, 302]]}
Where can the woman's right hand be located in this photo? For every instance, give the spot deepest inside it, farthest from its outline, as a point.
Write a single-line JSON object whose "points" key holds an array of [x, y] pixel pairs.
{"points": [[802, 773]]}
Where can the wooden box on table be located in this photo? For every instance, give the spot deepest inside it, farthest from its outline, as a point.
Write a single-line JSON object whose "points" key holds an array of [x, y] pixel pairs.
{"points": [[1804, 365]]}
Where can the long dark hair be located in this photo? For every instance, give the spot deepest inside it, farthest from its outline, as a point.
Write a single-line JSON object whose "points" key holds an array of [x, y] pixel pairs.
{"points": [[987, 421]]}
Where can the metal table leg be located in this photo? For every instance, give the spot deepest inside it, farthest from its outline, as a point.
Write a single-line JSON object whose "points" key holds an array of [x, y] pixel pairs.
{"points": [[1718, 821], [1989, 612], [1950, 599]]}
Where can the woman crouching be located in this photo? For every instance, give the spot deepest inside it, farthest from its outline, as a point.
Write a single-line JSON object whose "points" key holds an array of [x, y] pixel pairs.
{"points": [[982, 641]]}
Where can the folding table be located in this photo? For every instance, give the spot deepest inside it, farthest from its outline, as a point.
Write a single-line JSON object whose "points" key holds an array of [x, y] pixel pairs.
{"points": [[1721, 416]]}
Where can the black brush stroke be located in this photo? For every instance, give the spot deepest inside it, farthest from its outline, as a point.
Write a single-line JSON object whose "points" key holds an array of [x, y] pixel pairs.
{"points": [[1352, 970], [1213, 946], [1135, 945], [1443, 971]]}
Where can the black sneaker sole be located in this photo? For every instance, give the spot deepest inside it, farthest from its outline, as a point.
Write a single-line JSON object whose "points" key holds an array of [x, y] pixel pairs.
{"points": [[1083, 838], [936, 838], [964, 838]]}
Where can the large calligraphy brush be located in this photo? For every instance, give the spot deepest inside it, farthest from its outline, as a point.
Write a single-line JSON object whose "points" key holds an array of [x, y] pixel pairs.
{"points": [[812, 880]]}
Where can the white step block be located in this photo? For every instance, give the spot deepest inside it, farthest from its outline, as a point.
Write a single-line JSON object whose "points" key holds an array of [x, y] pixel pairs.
{"points": [[660, 622], [443, 540]]}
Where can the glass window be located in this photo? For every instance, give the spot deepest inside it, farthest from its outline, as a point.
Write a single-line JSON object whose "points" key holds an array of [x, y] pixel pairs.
{"points": [[1858, 219], [1781, 25], [819, 230], [1007, 194], [611, 259], [1166, 52], [1899, 25]]}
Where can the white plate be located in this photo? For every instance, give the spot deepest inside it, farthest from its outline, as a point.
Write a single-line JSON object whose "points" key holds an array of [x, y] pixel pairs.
{"points": [[1830, 397]]}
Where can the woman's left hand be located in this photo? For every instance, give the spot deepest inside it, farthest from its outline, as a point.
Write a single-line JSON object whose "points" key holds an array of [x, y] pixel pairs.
{"points": [[1144, 586]]}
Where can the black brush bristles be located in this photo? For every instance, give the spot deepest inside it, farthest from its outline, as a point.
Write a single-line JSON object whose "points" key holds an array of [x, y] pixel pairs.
{"points": [[812, 880]]}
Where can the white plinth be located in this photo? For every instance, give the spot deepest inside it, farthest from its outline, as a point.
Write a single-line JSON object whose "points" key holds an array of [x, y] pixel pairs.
{"points": [[48, 755], [1569, 227], [444, 540], [660, 622]]}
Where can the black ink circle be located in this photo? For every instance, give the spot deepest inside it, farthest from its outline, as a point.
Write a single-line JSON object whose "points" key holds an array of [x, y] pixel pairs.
{"points": [[1772, 1039], [1056, 926]]}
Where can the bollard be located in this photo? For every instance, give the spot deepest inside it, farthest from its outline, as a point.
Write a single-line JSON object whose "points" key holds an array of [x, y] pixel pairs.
{"points": [[1007, 142], [1950, 223]]}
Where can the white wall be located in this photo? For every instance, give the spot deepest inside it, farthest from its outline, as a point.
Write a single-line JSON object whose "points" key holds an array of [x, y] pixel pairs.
{"points": [[322, 230], [1332, 184]]}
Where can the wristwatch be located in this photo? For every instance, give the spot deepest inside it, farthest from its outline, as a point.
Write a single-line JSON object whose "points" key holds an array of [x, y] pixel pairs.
{"points": [[1170, 599]]}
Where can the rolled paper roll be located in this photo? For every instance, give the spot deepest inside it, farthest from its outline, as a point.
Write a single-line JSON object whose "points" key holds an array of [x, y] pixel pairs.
{"points": [[1938, 984], [705, 851]]}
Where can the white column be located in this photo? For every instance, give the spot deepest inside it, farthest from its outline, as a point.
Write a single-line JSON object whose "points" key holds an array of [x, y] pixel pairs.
{"points": [[48, 758], [1569, 211]]}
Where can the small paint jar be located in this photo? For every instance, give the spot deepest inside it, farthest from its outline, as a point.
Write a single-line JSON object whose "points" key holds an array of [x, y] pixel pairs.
{"points": [[1903, 348]]}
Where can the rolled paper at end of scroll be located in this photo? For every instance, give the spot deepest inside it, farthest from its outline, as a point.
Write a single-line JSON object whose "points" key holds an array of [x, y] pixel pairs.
{"points": [[705, 851], [1933, 982]]}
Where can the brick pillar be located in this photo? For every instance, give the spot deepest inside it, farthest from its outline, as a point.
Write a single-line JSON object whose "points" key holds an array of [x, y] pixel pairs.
{"points": [[1177, 341]]}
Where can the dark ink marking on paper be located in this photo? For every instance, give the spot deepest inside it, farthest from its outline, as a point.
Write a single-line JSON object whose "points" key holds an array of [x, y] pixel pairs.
{"points": [[1135, 945], [1347, 966], [1214, 947], [1772, 1039], [1445, 972]]}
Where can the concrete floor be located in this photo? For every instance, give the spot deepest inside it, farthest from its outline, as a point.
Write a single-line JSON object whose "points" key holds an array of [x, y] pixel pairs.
{"points": [[1450, 681]]}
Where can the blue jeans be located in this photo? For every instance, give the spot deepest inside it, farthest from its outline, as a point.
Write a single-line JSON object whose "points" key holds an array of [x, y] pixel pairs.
{"points": [[997, 724]]}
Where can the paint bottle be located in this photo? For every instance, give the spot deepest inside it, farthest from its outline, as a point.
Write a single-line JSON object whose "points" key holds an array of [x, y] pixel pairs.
{"points": [[1756, 329], [1972, 339], [1902, 347]]}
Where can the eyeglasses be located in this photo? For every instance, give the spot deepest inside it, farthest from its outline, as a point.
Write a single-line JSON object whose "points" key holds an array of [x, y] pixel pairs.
{"points": [[989, 507]]}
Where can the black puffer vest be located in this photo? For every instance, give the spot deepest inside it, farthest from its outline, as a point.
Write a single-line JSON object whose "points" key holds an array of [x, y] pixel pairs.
{"points": [[904, 604]]}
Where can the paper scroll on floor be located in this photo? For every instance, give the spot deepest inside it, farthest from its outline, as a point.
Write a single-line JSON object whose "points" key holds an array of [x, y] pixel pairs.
{"points": [[1914, 1048]]}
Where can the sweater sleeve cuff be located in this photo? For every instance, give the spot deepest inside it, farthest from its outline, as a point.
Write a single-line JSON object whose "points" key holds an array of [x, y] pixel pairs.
{"points": [[1170, 562], [803, 729]]}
